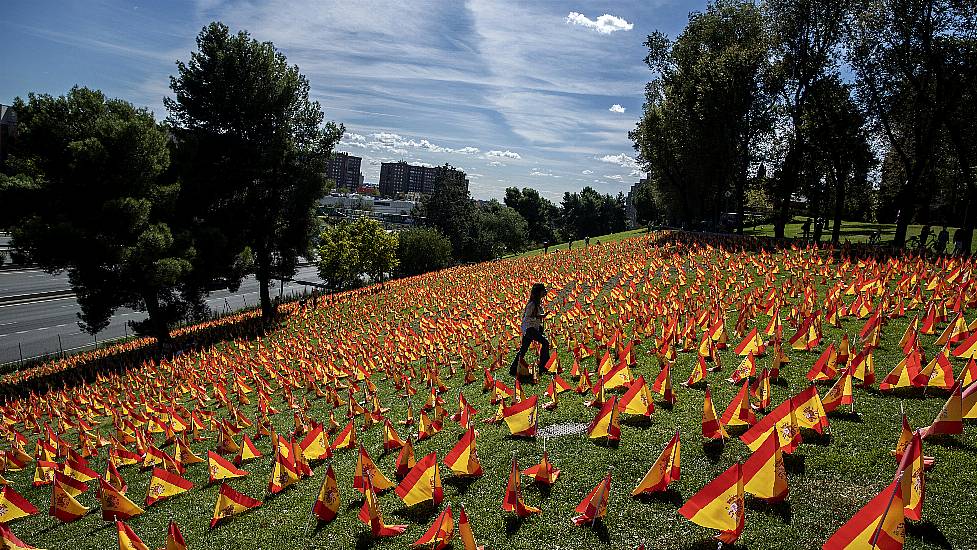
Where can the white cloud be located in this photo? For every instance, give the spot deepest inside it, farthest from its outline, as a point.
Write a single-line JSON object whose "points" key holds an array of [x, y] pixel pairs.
{"points": [[615, 177], [587, 172], [636, 173], [467, 150], [352, 136], [622, 160], [617, 108], [538, 172], [496, 163], [605, 24], [503, 154]]}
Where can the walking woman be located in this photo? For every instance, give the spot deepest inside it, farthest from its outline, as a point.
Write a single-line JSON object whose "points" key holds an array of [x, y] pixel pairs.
{"points": [[532, 329]]}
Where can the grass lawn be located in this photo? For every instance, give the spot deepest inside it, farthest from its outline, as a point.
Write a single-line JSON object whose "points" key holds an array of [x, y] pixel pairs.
{"points": [[464, 315], [856, 232]]}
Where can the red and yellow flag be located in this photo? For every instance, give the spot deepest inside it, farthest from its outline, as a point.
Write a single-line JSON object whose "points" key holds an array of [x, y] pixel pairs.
{"points": [[9, 541], [764, 475], [440, 533], [116, 505], [221, 468], [512, 500], [719, 505], [326, 506], [422, 483], [164, 485], [231, 503], [544, 472], [594, 505], [14, 506], [666, 469], [174, 538], [462, 459], [521, 418], [607, 422], [128, 540], [880, 524]]}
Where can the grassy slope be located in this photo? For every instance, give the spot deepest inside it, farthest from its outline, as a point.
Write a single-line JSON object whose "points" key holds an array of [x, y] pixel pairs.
{"points": [[829, 479]]}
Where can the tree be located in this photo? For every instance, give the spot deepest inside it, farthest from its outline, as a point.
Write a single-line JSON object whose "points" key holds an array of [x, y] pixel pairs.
{"points": [[837, 144], [707, 109], [93, 201], [501, 230], [540, 213], [589, 214], [450, 210], [422, 249], [254, 149], [646, 204], [907, 59], [349, 250], [805, 36]]}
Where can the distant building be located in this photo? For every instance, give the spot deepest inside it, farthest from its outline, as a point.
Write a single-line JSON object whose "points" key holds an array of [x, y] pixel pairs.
{"points": [[344, 169], [393, 213], [8, 129], [630, 212], [400, 178]]}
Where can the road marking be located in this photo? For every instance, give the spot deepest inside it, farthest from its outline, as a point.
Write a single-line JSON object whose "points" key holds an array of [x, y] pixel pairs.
{"points": [[38, 301]]}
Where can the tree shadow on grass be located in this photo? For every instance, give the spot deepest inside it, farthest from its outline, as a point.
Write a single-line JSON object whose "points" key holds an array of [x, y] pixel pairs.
{"points": [[926, 531], [636, 421], [795, 463], [713, 449], [513, 523], [421, 513], [780, 509], [951, 442], [670, 496], [460, 483], [847, 415]]}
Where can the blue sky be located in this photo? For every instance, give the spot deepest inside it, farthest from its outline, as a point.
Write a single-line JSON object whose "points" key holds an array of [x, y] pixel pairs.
{"points": [[526, 93]]}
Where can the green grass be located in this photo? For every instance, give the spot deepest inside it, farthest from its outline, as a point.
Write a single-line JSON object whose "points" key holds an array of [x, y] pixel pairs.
{"points": [[830, 477]]}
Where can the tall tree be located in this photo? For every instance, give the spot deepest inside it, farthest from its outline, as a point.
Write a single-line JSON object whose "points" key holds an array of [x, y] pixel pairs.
{"points": [[450, 210], [266, 148], [590, 214], [93, 202], [707, 109], [805, 36], [540, 213], [901, 52]]}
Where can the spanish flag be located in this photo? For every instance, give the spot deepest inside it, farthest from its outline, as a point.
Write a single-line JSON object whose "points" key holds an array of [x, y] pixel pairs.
{"points": [[326, 506], [840, 393], [174, 538], [462, 459], [711, 427], [366, 468], [14, 506], [465, 532], [247, 451], [637, 400], [116, 505], [346, 438], [422, 483], [666, 469], [391, 439], [221, 468], [738, 412], [284, 472], [128, 540], [522, 417], [594, 505], [371, 515], [950, 419], [512, 500], [764, 475], [606, 423], [913, 481], [9, 541], [440, 533], [880, 524], [544, 472], [63, 504], [164, 485], [231, 503], [719, 505]]}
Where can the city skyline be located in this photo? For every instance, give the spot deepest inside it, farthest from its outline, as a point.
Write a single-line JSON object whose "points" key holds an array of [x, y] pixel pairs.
{"points": [[535, 95]]}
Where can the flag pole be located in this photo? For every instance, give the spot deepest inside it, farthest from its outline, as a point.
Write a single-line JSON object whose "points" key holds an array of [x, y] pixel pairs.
{"points": [[311, 508], [878, 529]]}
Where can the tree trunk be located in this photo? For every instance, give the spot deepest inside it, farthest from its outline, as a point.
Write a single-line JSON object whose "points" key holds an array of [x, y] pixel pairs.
{"points": [[263, 275], [158, 326]]}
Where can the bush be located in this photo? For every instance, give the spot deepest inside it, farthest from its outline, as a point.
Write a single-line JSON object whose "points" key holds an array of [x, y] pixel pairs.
{"points": [[423, 249]]}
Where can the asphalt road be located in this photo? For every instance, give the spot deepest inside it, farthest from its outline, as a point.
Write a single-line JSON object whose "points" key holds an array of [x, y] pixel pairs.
{"points": [[33, 327]]}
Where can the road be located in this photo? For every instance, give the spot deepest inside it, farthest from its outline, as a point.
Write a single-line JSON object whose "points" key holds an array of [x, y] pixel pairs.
{"points": [[33, 327]]}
